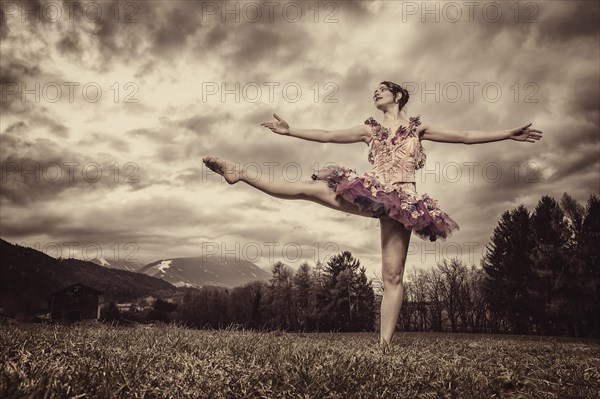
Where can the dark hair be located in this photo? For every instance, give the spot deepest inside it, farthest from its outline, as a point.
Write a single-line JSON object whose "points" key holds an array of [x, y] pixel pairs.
{"points": [[395, 89]]}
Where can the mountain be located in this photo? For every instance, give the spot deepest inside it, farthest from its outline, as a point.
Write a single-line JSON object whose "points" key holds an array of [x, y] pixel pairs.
{"points": [[28, 276], [120, 265], [200, 271]]}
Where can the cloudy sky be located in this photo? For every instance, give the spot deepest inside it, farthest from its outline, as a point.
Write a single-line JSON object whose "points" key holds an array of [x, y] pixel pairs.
{"points": [[108, 108]]}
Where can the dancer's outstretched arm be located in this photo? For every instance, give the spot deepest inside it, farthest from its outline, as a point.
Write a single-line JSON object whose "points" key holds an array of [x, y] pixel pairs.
{"points": [[356, 134], [523, 133]]}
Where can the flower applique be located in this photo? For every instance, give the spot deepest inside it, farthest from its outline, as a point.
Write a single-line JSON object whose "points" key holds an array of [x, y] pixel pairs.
{"points": [[401, 132], [381, 134], [416, 120], [421, 156]]}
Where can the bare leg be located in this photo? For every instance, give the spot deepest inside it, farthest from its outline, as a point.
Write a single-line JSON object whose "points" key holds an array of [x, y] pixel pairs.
{"points": [[394, 247], [315, 191]]}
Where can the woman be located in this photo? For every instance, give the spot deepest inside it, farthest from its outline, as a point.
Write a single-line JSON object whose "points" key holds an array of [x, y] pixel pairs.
{"points": [[388, 192]]}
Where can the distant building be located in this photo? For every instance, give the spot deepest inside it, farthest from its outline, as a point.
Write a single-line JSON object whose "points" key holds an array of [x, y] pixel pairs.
{"points": [[132, 307], [127, 307], [75, 302]]}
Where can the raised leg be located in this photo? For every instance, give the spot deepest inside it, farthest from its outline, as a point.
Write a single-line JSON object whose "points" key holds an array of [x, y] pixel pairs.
{"points": [[394, 247], [310, 190]]}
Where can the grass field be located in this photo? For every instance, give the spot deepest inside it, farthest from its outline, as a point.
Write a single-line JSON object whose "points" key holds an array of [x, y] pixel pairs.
{"points": [[97, 361]]}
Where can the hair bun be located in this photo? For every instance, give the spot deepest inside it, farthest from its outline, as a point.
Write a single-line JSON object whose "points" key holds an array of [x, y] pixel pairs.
{"points": [[395, 89]]}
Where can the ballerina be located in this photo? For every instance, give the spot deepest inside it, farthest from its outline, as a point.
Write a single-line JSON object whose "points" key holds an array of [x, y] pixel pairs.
{"points": [[388, 192]]}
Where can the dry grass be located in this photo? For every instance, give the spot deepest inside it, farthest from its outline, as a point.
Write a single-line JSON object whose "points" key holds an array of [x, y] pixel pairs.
{"points": [[96, 361]]}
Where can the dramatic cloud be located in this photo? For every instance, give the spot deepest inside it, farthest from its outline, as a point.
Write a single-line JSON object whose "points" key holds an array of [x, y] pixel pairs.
{"points": [[141, 91]]}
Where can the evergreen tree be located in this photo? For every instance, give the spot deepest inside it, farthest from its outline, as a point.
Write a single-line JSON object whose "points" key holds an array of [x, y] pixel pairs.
{"points": [[318, 318], [339, 300], [575, 288], [161, 310], [302, 296], [282, 312], [364, 304], [589, 252], [246, 305], [508, 269], [550, 264], [349, 294]]}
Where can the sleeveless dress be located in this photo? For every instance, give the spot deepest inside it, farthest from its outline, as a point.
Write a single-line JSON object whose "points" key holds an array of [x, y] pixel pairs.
{"points": [[389, 190]]}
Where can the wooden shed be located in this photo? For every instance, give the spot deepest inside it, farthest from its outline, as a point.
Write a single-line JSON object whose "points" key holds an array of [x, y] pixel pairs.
{"points": [[75, 302]]}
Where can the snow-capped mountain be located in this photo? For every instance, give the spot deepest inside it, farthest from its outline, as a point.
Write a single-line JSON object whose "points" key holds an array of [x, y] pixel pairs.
{"points": [[199, 271], [28, 275], [121, 265]]}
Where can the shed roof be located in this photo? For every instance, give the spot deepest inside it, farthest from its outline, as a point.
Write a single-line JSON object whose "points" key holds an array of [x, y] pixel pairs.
{"points": [[74, 288]]}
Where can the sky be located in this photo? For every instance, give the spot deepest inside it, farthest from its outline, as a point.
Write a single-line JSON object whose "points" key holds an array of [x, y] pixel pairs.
{"points": [[107, 109]]}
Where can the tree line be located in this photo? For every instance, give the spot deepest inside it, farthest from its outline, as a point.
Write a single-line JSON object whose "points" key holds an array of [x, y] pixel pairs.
{"points": [[540, 275], [543, 269], [336, 296]]}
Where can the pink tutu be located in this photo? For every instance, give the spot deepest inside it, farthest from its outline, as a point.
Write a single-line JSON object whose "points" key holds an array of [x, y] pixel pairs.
{"points": [[400, 201]]}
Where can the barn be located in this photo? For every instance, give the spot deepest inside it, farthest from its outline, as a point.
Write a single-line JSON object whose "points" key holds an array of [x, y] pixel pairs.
{"points": [[75, 302]]}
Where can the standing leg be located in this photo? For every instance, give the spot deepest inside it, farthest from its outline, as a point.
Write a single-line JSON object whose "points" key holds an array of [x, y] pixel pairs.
{"points": [[315, 191], [394, 247]]}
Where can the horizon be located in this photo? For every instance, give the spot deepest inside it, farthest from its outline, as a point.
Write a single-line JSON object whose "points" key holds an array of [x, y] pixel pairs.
{"points": [[106, 118]]}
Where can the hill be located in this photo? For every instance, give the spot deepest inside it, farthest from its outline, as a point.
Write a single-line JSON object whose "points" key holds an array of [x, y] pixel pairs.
{"points": [[200, 271], [121, 265], [28, 276]]}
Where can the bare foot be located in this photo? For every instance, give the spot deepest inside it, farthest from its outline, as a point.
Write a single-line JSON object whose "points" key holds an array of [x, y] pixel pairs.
{"points": [[228, 170], [386, 348]]}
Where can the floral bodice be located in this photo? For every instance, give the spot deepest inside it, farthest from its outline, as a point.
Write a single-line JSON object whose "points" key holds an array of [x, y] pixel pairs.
{"points": [[395, 157]]}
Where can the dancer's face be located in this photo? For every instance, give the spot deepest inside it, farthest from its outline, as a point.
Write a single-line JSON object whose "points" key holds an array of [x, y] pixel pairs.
{"points": [[383, 97]]}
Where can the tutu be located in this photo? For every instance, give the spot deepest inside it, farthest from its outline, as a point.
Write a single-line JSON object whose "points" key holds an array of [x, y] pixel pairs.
{"points": [[420, 214], [398, 201]]}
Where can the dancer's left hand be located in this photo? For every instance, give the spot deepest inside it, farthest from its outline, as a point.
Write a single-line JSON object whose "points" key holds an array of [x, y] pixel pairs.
{"points": [[525, 133]]}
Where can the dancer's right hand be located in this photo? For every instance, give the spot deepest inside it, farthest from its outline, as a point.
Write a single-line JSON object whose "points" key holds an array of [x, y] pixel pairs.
{"points": [[278, 126]]}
